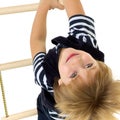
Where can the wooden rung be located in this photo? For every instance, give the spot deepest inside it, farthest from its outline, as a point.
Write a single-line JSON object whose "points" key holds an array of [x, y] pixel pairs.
{"points": [[21, 115], [15, 64], [19, 8]]}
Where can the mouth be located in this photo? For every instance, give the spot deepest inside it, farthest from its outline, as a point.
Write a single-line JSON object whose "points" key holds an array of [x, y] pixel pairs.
{"points": [[70, 56]]}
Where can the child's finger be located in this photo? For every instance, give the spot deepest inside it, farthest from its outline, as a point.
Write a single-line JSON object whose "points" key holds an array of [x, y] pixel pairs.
{"points": [[60, 6]]}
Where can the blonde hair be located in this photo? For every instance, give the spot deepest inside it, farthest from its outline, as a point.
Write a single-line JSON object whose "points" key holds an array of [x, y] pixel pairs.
{"points": [[97, 100]]}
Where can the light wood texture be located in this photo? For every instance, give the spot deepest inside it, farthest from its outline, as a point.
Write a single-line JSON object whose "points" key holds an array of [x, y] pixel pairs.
{"points": [[15, 64], [19, 8], [21, 115]]}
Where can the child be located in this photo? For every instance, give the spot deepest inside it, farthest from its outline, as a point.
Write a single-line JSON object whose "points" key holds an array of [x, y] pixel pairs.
{"points": [[75, 82]]}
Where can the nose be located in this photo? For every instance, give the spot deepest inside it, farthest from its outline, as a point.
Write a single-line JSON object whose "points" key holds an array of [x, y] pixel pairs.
{"points": [[76, 63]]}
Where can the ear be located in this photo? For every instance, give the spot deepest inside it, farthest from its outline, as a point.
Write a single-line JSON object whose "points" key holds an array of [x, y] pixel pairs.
{"points": [[60, 82]]}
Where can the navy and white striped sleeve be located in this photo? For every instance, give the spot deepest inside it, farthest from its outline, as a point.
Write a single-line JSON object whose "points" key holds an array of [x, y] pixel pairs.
{"points": [[81, 26], [39, 73]]}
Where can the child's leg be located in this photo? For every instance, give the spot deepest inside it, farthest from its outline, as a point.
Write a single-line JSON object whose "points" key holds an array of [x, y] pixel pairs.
{"points": [[73, 7]]}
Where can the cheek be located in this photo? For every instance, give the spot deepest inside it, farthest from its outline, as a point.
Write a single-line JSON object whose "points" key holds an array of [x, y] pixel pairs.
{"points": [[63, 71]]}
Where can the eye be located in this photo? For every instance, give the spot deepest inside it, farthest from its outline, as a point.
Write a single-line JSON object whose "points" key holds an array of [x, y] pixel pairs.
{"points": [[89, 65], [73, 75]]}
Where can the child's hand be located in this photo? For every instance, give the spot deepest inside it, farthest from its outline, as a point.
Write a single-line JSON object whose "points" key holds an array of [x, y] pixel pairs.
{"points": [[57, 4], [52, 4]]}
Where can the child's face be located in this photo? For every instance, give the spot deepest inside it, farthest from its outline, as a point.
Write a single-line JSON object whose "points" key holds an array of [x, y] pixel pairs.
{"points": [[76, 63]]}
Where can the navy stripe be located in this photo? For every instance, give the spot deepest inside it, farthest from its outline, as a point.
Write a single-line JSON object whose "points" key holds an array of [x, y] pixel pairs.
{"points": [[82, 21], [86, 28]]}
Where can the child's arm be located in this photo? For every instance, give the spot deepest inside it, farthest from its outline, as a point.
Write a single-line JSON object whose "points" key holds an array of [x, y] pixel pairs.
{"points": [[38, 34], [73, 7]]}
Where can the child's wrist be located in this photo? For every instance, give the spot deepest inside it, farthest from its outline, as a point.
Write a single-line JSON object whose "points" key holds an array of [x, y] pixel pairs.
{"points": [[43, 5]]}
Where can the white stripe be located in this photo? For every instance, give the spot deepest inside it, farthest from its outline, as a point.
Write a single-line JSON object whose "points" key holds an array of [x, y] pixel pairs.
{"points": [[80, 34], [38, 75], [38, 56], [85, 30], [53, 112], [56, 118], [82, 18], [83, 24], [35, 62], [39, 59], [45, 81], [35, 67], [91, 39], [94, 45], [51, 91]]}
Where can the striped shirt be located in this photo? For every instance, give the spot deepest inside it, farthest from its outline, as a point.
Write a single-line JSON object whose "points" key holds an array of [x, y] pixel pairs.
{"points": [[82, 28]]}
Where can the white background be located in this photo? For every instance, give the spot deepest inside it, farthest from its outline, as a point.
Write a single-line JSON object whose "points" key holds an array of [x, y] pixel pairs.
{"points": [[20, 89]]}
